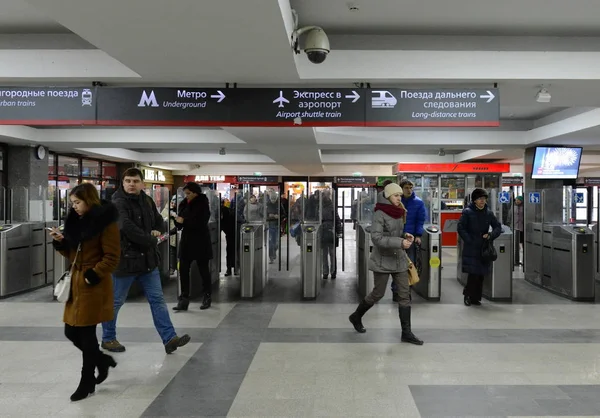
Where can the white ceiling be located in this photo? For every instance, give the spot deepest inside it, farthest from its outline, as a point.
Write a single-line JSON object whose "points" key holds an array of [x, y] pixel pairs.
{"points": [[519, 44]]}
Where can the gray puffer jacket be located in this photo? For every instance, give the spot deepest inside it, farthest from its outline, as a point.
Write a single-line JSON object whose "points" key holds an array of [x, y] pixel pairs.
{"points": [[388, 256]]}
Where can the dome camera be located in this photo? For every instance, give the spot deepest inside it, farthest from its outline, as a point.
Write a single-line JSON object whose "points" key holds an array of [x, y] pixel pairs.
{"points": [[316, 46]]}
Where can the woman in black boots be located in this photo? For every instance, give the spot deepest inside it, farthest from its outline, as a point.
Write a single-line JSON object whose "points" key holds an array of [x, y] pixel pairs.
{"points": [[195, 244], [389, 258], [91, 240], [474, 229]]}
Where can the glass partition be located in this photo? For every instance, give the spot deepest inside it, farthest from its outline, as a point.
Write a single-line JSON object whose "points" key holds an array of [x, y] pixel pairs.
{"points": [[313, 207], [254, 208], [366, 205], [272, 205]]}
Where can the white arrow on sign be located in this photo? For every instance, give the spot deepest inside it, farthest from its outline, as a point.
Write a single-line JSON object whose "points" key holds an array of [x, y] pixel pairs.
{"points": [[490, 96], [219, 96], [354, 96]]}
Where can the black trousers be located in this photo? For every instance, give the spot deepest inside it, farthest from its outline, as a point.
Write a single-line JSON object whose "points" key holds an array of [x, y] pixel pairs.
{"points": [[85, 339], [230, 239], [184, 276], [474, 287], [172, 257]]}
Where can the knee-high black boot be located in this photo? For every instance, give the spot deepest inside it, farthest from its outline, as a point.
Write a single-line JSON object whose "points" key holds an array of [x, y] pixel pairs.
{"points": [[407, 335], [356, 317], [104, 363]]}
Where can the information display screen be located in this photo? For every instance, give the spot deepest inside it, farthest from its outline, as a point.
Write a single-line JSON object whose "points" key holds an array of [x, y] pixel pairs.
{"points": [[556, 163]]}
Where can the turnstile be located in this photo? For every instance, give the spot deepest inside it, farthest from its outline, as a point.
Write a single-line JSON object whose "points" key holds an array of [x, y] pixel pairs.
{"points": [[429, 262], [497, 284], [364, 247], [22, 257], [594, 229], [311, 259], [253, 259], [561, 259]]}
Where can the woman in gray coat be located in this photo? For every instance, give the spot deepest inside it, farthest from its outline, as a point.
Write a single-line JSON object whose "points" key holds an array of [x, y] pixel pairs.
{"points": [[389, 258]]}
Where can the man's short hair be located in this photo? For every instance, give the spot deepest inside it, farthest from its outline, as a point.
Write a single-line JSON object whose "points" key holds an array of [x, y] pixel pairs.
{"points": [[406, 182], [133, 172], [385, 183]]}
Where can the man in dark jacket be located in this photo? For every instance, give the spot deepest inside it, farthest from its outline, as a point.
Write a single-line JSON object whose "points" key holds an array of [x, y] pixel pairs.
{"points": [[415, 219], [140, 225]]}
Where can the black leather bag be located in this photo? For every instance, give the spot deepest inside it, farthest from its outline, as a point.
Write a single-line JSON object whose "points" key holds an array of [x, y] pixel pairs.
{"points": [[488, 252]]}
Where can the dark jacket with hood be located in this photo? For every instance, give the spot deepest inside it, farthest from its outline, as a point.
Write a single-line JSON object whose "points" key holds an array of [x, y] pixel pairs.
{"points": [[138, 217], [474, 223], [97, 231], [195, 243], [331, 224]]}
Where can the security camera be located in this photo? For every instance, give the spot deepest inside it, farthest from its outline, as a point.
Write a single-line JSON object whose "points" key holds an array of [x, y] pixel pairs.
{"points": [[222, 151], [316, 46], [150, 164]]}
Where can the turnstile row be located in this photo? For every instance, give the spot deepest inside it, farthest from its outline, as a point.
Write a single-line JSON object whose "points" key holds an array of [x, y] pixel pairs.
{"points": [[561, 259]]}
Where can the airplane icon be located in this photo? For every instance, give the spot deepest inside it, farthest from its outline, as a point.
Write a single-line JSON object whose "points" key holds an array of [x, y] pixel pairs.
{"points": [[281, 100]]}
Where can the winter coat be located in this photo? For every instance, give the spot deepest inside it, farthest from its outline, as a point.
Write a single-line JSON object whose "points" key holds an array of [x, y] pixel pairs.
{"points": [[388, 256], [519, 217], [98, 233], [195, 243], [138, 217], [415, 216], [331, 224], [472, 225], [227, 220]]}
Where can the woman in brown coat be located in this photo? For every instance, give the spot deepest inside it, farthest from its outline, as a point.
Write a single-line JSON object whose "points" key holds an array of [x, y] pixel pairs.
{"points": [[91, 226]]}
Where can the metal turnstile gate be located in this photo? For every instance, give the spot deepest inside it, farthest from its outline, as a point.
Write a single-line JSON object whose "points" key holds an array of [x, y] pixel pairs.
{"points": [[311, 260], [253, 259], [497, 285], [364, 247], [429, 262]]}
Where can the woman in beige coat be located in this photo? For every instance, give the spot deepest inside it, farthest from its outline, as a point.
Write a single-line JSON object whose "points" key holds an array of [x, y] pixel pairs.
{"points": [[389, 258], [91, 226]]}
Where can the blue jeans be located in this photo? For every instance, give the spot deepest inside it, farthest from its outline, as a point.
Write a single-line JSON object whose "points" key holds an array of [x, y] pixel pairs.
{"points": [[150, 282], [412, 253], [273, 234]]}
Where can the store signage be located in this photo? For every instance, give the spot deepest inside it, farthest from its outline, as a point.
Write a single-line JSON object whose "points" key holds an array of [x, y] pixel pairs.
{"points": [[433, 107], [512, 181], [258, 179], [145, 106], [209, 179], [152, 175], [49, 106], [181, 106], [452, 168], [355, 181], [591, 181]]}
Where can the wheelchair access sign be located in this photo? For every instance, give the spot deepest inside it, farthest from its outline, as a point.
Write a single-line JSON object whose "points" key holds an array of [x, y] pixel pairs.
{"points": [[504, 197]]}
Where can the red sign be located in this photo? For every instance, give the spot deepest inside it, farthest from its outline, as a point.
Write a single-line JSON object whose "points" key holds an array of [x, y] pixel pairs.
{"points": [[452, 168], [210, 179]]}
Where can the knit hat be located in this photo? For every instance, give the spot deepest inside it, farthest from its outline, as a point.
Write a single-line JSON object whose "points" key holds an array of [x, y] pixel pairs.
{"points": [[391, 189], [477, 193], [520, 198]]}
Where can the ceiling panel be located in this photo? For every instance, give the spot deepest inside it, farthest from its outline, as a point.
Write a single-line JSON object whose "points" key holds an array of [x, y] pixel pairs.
{"points": [[16, 16]]}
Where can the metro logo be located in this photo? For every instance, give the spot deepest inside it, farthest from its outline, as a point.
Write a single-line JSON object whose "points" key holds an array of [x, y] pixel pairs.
{"points": [[148, 100]]}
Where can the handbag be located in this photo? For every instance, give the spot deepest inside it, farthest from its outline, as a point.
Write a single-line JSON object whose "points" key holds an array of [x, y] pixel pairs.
{"points": [[62, 290], [413, 274], [488, 251]]}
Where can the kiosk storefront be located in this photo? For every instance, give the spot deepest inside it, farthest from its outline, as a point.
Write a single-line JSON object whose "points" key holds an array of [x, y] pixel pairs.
{"points": [[443, 188]]}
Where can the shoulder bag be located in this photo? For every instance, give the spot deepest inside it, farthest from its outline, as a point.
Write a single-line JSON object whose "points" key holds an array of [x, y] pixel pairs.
{"points": [[413, 274], [62, 290]]}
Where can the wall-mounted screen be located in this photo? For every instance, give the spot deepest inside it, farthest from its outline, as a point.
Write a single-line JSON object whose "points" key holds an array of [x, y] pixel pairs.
{"points": [[556, 163]]}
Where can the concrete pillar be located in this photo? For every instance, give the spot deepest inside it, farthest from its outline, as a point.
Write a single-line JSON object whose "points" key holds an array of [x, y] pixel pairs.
{"points": [[28, 180]]}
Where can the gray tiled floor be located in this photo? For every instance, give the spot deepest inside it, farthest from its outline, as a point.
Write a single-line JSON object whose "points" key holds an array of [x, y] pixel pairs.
{"points": [[281, 356]]}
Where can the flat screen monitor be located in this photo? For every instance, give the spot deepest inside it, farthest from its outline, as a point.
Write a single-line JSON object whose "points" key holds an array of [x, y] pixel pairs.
{"points": [[556, 163]]}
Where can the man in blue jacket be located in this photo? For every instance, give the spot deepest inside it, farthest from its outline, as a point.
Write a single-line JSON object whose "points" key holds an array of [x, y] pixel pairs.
{"points": [[415, 218]]}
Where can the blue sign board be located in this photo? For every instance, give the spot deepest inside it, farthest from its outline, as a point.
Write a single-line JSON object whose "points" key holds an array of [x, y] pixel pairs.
{"points": [[534, 197], [504, 197], [578, 198]]}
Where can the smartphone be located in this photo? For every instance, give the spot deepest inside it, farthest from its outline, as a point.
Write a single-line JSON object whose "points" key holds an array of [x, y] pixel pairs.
{"points": [[49, 229]]}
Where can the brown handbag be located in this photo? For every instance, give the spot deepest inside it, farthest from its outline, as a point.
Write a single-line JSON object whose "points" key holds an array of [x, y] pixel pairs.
{"points": [[413, 274]]}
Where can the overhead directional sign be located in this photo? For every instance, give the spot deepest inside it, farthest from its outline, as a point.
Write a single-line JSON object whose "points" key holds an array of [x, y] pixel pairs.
{"points": [[301, 107], [47, 105], [180, 106], [162, 106], [433, 107]]}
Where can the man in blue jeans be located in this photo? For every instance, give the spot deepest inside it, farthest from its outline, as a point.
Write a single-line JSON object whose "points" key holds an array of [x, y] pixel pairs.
{"points": [[140, 225], [415, 219]]}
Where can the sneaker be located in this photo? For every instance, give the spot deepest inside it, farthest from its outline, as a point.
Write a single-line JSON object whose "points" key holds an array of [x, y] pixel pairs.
{"points": [[176, 342], [113, 346]]}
